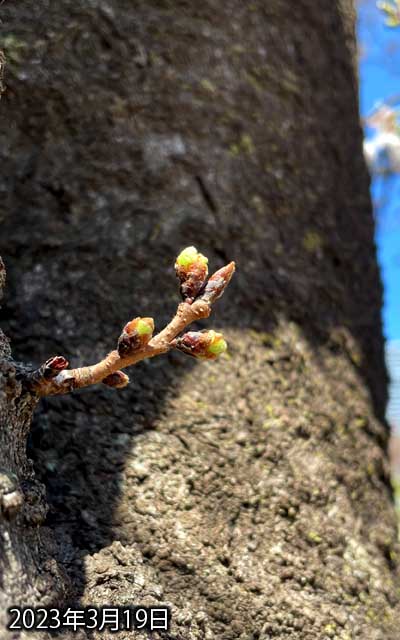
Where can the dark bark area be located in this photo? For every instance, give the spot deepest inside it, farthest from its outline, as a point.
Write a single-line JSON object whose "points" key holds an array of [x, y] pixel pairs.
{"points": [[252, 494], [28, 570]]}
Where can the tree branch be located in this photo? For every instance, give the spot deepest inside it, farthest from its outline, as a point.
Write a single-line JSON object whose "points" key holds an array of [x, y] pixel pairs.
{"points": [[136, 342]]}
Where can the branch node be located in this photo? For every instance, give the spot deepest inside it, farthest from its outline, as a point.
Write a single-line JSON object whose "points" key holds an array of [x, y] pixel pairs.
{"points": [[46, 372]]}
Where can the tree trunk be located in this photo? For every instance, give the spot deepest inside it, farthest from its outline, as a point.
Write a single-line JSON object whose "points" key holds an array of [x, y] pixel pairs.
{"points": [[251, 494]]}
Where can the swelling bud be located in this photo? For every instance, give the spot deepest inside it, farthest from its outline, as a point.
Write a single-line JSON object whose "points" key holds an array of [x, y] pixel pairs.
{"points": [[206, 345], [135, 335], [192, 270]]}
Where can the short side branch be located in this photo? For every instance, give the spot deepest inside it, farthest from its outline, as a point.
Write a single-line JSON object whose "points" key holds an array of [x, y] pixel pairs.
{"points": [[136, 344]]}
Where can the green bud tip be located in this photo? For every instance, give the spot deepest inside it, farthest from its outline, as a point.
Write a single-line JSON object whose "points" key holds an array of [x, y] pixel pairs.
{"points": [[145, 326], [190, 255], [205, 345], [217, 345], [140, 327]]}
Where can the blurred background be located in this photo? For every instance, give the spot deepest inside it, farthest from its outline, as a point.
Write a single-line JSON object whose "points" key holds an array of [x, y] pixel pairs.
{"points": [[379, 68]]}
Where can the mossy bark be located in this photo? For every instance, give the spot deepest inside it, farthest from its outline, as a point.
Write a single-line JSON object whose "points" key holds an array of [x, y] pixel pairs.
{"points": [[252, 494]]}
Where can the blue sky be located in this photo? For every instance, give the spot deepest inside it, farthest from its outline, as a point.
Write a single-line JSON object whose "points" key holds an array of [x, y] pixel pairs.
{"points": [[380, 79]]}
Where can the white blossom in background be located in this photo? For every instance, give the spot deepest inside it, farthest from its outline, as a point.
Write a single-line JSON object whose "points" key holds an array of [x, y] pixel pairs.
{"points": [[382, 151], [393, 363], [391, 9]]}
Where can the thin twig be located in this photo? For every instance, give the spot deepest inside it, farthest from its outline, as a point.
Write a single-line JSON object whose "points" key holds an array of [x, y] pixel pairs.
{"points": [[53, 378]]}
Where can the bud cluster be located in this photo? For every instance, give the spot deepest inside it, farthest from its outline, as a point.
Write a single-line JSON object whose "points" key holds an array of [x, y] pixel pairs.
{"points": [[136, 341], [135, 335]]}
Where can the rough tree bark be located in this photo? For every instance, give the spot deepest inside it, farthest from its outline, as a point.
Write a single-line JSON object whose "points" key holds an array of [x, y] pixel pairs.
{"points": [[252, 493]]}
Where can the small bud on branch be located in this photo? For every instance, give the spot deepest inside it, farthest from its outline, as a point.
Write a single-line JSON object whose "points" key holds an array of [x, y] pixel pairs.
{"points": [[137, 342], [117, 380], [135, 335], [52, 367], [217, 284], [49, 370], [206, 345]]}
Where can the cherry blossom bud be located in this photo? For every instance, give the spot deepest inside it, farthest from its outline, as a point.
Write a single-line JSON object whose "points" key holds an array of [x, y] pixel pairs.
{"points": [[46, 372], [206, 345], [135, 335], [116, 380], [52, 367], [191, 269], [217, 283]]}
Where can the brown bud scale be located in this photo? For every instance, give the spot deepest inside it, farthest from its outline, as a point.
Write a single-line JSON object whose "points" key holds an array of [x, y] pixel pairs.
{"points": [[217, 283], [192, 282], [135, 335], [116, 380], [53, 366]]}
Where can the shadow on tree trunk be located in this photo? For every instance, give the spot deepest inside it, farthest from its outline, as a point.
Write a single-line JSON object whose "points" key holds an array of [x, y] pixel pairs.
{"points": [[133, 131]]}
